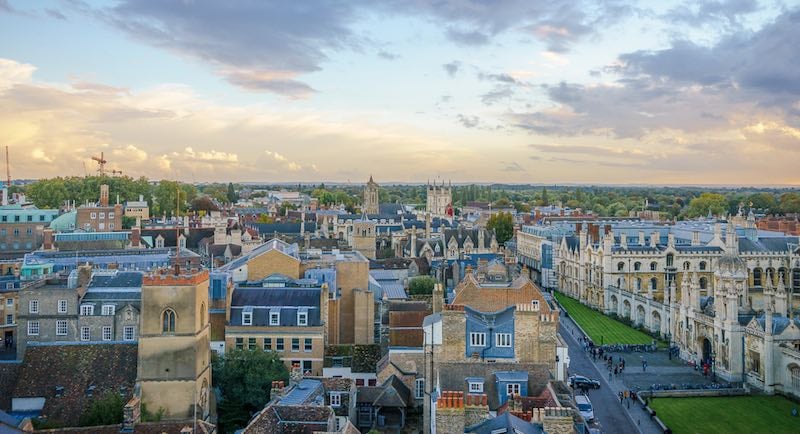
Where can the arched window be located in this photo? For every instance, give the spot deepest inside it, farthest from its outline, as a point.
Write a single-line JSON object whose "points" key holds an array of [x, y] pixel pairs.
{"points": [[670, 259], [653, 266], [795, 371], [620, 266], [638, 284], [783, 274], [703, 283], [702, 265], [756, 277], [796, 278], [637, 266], [168, 321], [686, 265], [653, 283]]}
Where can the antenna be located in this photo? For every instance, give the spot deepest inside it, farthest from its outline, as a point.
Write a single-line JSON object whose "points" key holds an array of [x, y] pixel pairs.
{"points": [[8, 169]]}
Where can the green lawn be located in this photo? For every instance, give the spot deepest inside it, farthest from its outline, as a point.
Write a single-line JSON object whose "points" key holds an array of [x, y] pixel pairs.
{"points": [[601, 329], [739, 414]]}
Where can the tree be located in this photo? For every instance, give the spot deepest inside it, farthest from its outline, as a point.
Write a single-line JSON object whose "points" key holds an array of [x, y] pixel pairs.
{"points": [[701, 205], [763, 201], [245, 378], [790, 203], [421, 285], [545, 200], [232, 196], [503, 225], [104, 411], [204, 203]]}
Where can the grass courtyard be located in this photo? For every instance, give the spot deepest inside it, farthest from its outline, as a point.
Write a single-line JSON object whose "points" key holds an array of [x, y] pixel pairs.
{"points": [[600, 328], [739, 414]]}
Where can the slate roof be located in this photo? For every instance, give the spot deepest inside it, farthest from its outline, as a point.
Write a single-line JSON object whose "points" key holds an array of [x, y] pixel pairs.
{"points": [[288, 300], [170, 236], [392, 393], [337, 384], [279, 419], [9, 372], [512, 376], [390, 209], [111, 368], [779, 323], [453, 375], [118, 279], [218, 250], [507, 421], [767, 244], [164, 427], [308, 391], [283, 228], [492, 297]]}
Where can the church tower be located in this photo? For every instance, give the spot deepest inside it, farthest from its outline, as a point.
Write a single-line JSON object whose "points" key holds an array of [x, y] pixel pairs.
{"points": [[174, 369], [364, 237], [371, 198]]}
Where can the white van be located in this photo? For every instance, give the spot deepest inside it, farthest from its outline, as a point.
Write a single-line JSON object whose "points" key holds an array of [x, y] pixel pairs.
{"points": [[585, 407]]}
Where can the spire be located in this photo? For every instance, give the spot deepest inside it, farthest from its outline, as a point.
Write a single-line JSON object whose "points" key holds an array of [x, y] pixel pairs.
{"points": [[370, 178]]}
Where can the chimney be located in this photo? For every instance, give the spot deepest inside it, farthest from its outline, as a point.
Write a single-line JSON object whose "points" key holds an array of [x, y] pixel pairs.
{"points": [[136, 237], [413, 248], [438, 297], [695, 238], [47, 239], [623, 240], [654, 238], [594, 232], [671, 239], [427, 225], [641, 238], [607, 229], [296, 375], [104, 195], [277, 390], [84, 275], [131, 414]]}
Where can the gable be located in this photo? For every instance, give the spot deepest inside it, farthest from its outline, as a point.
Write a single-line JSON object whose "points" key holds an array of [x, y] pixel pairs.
{"points": [[271, 262]]}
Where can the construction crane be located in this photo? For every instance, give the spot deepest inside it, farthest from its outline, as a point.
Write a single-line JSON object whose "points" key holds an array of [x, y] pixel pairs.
{"points": [[101, 164], [8, 170]]}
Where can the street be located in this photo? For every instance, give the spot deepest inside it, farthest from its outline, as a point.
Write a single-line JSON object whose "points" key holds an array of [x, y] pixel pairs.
{"points": [[608, 411]]}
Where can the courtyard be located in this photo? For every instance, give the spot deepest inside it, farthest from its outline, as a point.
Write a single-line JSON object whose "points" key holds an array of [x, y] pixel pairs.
{"points": [[601, 328], [744, 414]]}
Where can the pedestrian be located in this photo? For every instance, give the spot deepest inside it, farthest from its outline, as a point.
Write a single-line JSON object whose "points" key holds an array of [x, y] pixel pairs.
{"points": [[615, 370], [620, 396], [609, 375]]}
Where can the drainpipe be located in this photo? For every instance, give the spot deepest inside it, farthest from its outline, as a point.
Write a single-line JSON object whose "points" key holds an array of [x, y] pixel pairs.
{"points": [[489, 338]]}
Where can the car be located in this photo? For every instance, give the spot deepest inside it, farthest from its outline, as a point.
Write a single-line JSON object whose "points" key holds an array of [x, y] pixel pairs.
{"points": [[585, 407], [581, 382]]}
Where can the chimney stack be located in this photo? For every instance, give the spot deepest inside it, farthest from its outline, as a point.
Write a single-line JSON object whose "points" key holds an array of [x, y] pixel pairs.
{"points": [[104, 195]]}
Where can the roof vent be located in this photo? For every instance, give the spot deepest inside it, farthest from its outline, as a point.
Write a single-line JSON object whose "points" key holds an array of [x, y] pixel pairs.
{"points": [[59, 391], [90, 390]]}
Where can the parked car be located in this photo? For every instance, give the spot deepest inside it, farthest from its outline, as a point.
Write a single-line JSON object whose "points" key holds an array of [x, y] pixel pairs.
{"points": [[579, 382], [585, 407]]}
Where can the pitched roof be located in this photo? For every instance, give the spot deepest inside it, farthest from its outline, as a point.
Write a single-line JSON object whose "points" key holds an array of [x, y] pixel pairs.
{"points": [[116, 279], [495, 297], [163, 427], [110, 368], [287, 300], [293, 419], [507, 421], [9, 372]]}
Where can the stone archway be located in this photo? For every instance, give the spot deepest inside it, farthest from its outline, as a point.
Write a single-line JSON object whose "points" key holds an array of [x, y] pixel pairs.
{"points": [[704, 345], [641, 316], [656, 322], [626, 309], [613, 304]]}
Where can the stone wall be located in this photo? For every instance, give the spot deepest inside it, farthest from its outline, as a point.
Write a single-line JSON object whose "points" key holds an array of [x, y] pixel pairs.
{"points": [[272, 262]]}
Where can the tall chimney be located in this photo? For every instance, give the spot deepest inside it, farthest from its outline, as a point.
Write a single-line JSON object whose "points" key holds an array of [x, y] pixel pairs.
{"points": [[104, 195]]}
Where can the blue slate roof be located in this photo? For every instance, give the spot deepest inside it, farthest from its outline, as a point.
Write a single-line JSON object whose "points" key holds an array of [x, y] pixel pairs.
{"points": [[512, 376], [119, 279], [304, 393], [779, 323], [766, 244], [288, 301], [507, 422]]}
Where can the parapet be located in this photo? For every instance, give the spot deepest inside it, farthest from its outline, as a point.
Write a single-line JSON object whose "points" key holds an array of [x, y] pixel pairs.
{"points": [[167, 278]]}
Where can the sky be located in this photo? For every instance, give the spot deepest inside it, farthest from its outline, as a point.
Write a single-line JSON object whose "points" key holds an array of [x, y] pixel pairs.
{"points": [[514, 91]]}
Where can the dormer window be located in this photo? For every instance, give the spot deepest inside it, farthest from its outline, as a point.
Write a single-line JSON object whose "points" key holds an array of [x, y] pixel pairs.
{"points": [[475, 387], [535, 304], [247, 317], [274, 318], [302, 318]]}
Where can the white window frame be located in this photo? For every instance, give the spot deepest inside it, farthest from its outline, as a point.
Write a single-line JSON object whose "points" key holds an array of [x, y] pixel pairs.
{"points": [[9, 302], [475, 387], [62, 306], [86, 333], [109, 309], [33, 328], [513, 389], [101, 226], [477, 339], [535, 304], [111, 226], [247, 318], [274, 318], [107, 333], [87, 309], [110, 215], [419, 388], [33, 306], [336, 399], [9, 319], [304, 316], [129, 333], [502, 340], [61, 327]]}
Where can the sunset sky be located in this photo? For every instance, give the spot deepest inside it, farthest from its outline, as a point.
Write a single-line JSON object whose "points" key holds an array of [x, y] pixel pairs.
{"points": [[521, 91]]}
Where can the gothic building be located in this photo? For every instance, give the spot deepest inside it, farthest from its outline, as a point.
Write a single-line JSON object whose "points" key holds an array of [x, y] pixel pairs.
{"points": [[440, 200], [371, 201]]}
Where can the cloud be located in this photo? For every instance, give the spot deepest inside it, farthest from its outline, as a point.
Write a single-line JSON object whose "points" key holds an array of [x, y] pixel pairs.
{"points": [[467, 37], [512, 167], [469, 121], [261, 81], [55, 13], [388, 55], [700, 13], [498, 94], [13, 72], [452, 68]]}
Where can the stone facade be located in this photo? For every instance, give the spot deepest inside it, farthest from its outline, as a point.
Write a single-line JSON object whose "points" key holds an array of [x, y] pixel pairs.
{"points": [[364, 237], [371, 198]]}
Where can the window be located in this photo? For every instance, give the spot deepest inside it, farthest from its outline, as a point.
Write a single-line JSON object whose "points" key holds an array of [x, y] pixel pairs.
{"points": [[535, 304], [102, 216], [168, 321], [307, 345], [795, 371], [267, 344], [101, 226], [686, 265], [703, 283], [111, 226], [637, 266], [503, 340], [295, 344], [653, 266], [475, 387], [274, 318], [702, 265], [419, 388], [86, 334], [620, 266], [251, 344], [87, 309], [93, 215], [477, 339], [61, 328], [10, 318], [62, 306], [756, 277], [9, 301], [33, 328], [336, 399], [29, 232], [670, 260], [653, 283], [239, 343], [33, 306], [306, 366], [107, 333], [247, 318], [108, 309], [110, 215], [302, 318], [279, 344], [512, 389], [128, 333]]}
